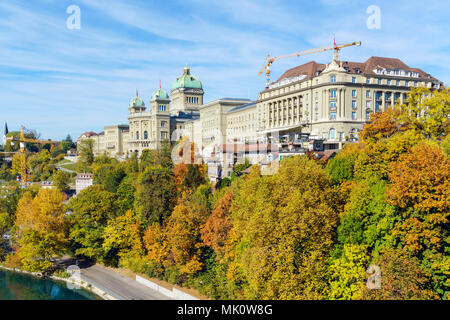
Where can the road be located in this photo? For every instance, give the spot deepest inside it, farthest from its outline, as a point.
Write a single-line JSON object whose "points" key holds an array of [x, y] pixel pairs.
{"points": [[118, 285]]}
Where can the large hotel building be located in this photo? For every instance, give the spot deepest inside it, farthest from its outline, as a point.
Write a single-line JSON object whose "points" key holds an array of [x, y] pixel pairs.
{"points": [[312, 102]]}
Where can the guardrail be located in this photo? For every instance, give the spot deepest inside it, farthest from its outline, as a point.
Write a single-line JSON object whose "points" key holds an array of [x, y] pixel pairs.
{"points": [[173, 294]]}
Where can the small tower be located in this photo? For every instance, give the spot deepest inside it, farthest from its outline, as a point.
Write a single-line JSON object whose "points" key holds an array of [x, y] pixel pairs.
{"points": [[136, 104], [159, 111]]}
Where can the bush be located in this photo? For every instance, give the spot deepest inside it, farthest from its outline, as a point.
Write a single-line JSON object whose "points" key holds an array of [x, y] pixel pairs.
{"points": [[61, 274], [13, 261]]}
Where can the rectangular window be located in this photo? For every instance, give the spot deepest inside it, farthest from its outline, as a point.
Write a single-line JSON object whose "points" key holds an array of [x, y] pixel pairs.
{"points": [[379, 81], [389, 82], [406, 83], [353, 79], [333, 93], [333, 79], [333, 115], [353, 115], [367, 115], [398, 83], [353, 93], [368, 81], [354, 104], [367, 104], [333, 105], [368, 94]]}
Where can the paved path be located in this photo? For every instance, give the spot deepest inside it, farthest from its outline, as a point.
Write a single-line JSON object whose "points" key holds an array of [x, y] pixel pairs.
{"points": [[118, 285]]}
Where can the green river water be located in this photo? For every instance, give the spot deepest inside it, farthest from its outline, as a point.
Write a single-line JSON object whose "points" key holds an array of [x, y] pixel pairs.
{"points": [[19, 286]]}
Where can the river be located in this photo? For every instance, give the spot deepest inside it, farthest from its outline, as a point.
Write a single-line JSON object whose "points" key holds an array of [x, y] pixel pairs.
{"points": [[19, 286]]}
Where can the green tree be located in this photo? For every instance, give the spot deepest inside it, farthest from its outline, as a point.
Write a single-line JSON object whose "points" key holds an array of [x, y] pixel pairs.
{"points": [[126, 193], [92, 209], [194, 177], [40, 229], [155, 194], [62, 180], [85, 149], [348, 273], [427, 112]]}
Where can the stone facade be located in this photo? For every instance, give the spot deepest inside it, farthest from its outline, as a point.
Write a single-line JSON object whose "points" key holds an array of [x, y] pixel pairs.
{"points": [[333, 101], [324, 103]]}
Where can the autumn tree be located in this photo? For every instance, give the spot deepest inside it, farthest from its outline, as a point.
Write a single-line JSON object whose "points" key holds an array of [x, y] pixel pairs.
{"points": [[155, 194], [122, 236], [383, 125], [62, 180], [421, 188], [157, 246], [41, 229], [427, 112], [85, 149], [184, 231], [283, 230], [215, 233], [348, 273], [402, 278], [92, 209], [194, 177]]}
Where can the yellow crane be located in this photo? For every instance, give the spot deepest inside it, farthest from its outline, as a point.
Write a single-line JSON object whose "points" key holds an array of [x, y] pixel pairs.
{"points": [[22, 151], [335, 47]]}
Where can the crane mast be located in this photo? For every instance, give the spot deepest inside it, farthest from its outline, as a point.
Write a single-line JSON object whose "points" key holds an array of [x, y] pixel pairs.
{"points": [[270, 60], [22, 152]]}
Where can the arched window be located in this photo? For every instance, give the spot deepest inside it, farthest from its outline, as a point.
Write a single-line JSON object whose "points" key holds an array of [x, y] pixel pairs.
{"points": [[332, 134], [145, 135], [137, 135]]}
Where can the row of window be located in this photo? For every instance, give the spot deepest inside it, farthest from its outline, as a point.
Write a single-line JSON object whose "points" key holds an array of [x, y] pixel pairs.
{"points": [[192, 100], [163, 135], [332, 134], [389, 82]]}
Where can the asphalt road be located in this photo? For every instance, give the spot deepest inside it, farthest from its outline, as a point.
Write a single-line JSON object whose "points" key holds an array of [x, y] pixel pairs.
{"points": [[118, 285]]}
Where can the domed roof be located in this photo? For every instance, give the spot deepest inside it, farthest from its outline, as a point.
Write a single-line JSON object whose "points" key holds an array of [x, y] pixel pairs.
{"points": [[160, 94], [187, 81], [136, 101]]}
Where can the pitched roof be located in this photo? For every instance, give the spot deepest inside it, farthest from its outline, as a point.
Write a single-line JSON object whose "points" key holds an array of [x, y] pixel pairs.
{"points": [[88, 134], [309, 69]]}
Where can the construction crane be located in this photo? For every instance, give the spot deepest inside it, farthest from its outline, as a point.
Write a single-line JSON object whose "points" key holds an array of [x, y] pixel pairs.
{"points": [[22, 151], [334, 47]]}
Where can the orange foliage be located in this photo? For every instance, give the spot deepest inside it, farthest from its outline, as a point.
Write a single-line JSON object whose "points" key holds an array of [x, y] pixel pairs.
{"points": [[218, 225], [382, 125], [421, 187], [43, 213], [156, 243]]}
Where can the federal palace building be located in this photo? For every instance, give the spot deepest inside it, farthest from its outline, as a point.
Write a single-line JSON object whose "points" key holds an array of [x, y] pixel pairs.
{"points": [[326, 102]]}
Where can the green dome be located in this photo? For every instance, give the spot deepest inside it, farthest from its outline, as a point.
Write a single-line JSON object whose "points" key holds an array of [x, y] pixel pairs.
{"points": [[187, 81], [160, 94], [137, 102]]}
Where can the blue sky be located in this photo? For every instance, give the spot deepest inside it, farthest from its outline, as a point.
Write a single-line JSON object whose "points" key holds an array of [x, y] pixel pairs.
{"points": [[60, 81]]}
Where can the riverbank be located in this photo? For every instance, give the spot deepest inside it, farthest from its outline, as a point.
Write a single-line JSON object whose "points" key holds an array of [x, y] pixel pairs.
{"points": [[75, 283]]}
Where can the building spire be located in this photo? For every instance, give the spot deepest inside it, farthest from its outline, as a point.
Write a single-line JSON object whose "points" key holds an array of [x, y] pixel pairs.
{"points": [[159, 84], [6, 129], [137, 93]]}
